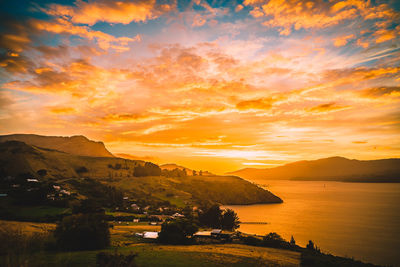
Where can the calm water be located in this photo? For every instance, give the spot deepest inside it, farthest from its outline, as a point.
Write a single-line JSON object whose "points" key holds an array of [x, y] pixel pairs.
{"points": [[346, 219]]}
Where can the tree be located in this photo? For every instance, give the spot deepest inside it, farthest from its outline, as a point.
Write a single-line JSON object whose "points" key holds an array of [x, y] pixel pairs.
{"points": [[211, 217], [230, 220], [83, 232], [274, 240], [42, 172], [194, 173], [292, 241], [148, 169], [177, 231]]}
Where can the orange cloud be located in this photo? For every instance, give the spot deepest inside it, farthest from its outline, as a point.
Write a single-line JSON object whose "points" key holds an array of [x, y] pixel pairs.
{"points": [[110, 11], [198, 21], [257, 104], [104, 40], [238, 8], [62, 110], [359, 142], [298, 14], [381, 91], [342, 40], [325, 108]]}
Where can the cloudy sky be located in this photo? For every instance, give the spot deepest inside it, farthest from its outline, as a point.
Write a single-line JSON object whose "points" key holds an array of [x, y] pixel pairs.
{"points": [[216, 85]]}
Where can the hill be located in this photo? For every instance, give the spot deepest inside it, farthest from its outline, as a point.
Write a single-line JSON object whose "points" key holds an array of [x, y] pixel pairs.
{"points": [[18, 159], [329, 169], [76, 145]]}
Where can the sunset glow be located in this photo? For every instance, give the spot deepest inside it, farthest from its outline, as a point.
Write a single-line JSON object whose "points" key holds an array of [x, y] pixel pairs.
{"points": [[212, 85]]}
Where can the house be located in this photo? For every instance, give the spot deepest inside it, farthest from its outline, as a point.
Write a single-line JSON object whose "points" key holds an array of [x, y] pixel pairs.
{"points": [[150, 235], [216, 232], [57, 187], [65, 192], [203, 234], [178, 215], [135, 220], [32, 180]]}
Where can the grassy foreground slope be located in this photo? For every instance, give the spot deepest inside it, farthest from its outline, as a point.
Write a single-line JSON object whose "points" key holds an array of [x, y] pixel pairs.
{"points": [[153, 254]]}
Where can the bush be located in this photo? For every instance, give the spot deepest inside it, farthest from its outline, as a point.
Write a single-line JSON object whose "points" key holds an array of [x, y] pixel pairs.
{"points": [[177, 231], [252, 241], [104, 259], [17, 246], [148, 169], [274, 240], [83, 232], [82, 169]]}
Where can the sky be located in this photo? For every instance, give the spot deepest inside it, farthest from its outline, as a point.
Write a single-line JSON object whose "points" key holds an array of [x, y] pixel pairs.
{"points": [[212, 85]]}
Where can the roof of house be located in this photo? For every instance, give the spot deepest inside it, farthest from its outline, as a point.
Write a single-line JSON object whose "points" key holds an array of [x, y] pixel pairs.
{"points": [[150, 235], [203, 233], [216, 231]]}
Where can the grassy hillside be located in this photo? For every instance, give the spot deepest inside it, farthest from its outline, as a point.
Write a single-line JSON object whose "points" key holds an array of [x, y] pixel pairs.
{"points": [[330, 169], [196, 190], [19, 159], [76, 145]]}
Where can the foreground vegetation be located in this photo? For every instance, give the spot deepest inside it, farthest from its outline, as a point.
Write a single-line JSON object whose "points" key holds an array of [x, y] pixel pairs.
{"points": [[153, 254]]}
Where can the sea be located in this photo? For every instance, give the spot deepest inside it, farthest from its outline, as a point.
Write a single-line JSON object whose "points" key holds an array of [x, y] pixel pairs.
{"points": [[359, 220]]}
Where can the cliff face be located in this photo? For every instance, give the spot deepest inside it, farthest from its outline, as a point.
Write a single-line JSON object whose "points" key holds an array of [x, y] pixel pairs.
{"points": [[76, 145]]}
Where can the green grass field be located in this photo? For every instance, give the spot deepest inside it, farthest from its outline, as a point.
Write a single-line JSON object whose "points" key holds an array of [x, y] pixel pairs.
{"points": [[152, 254]]}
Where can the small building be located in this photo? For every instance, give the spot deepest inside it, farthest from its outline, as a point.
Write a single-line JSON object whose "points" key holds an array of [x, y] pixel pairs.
{"points": [[57, 187], [178, 215], [32, 180], [203, 234], [216, 232], [150, 235], [135, 220]]}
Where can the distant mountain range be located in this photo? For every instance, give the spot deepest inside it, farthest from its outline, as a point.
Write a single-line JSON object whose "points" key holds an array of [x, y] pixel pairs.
{"points": [[76, 145], [329, 169]]}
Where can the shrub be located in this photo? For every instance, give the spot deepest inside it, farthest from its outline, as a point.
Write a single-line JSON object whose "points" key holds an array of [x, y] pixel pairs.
{"points": [[177, 231], [17, 246], [252, 241], [104, 259], [148, 169], [42, 172], [83, 232], [82, 169], [274, 240]]}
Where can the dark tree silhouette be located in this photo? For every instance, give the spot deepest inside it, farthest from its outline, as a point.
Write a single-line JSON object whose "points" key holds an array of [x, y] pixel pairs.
{"points": [[230, 220], [177, 231], [83, 232]]}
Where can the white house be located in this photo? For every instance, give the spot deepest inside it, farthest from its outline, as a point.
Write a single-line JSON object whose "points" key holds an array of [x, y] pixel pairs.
{"points": [[150, 235]]}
